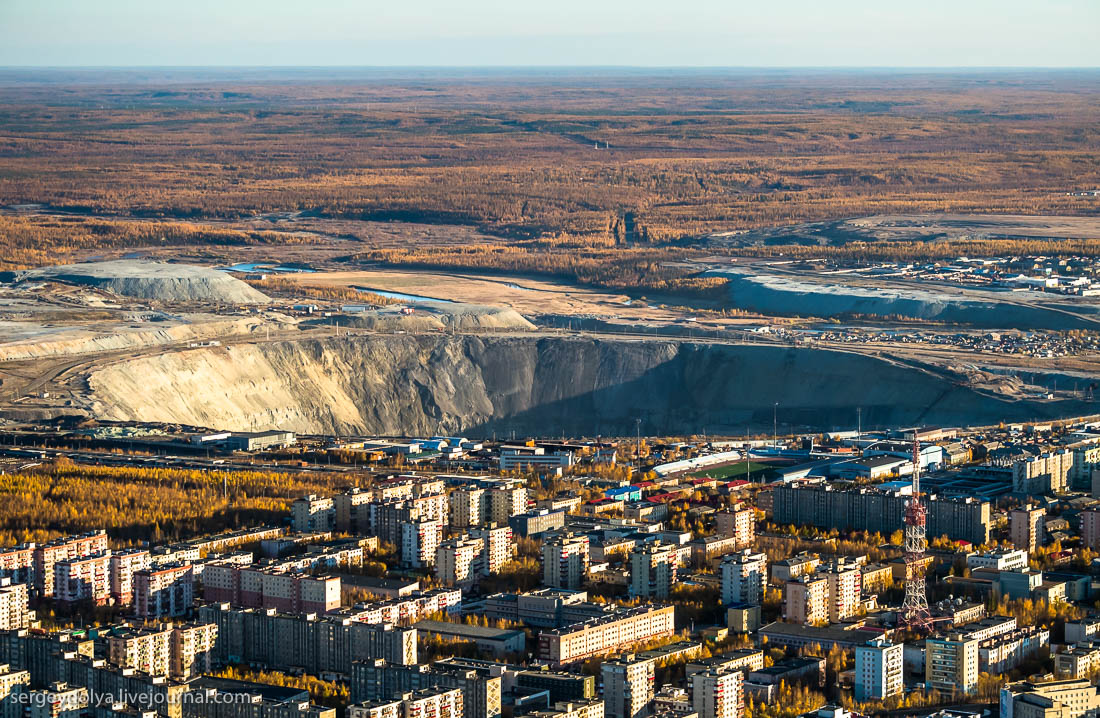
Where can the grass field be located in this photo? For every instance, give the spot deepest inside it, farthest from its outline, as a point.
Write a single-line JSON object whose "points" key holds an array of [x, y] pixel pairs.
{"points": [[734, 471]]}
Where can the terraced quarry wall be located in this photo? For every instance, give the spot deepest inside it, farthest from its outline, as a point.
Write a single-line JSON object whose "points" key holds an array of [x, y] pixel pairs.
{"points": [[408, 384]]}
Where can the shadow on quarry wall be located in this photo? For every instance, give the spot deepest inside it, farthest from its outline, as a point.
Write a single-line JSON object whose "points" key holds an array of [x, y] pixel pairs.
{"points": [[732, 390]]}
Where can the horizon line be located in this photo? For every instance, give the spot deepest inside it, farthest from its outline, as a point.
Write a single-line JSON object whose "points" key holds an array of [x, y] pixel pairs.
{"points": [[547, 67]]}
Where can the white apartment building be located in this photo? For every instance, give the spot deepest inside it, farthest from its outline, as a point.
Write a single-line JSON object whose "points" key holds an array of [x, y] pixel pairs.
{"points": [[499, 548], [565, 560], [878, 672], [455, 560], [653, 570], [716, 693], [419, 541], [14, 613], [744, 576], [1012, 560]]}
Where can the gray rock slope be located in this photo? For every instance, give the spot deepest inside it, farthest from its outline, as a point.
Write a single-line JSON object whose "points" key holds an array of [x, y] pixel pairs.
{"points": [[408, 384], [153, 280]]}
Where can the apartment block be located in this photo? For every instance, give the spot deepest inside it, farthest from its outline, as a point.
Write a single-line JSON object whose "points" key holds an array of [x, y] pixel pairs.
{"points": [[1013, 560], [192, 650], [572, 709], [744, 576], [431, 702], [628, 687], [14, 613], [565, 560], [313, 513], [499, 548], [211, 697], [1045, 474], [595, 637], [845, 589], [164, 592], [951, 663], [1053, 699], [83, 579], [419, 540], [469, 506], [17, 563], [536, 523], [738, 523], [1090, 528], [507, 501], [321, 645], [377, 680], [147, 650], [718, 694], [122, 566], [871, 509], [1026, 527], [58, 700], [350, 512], [47, 554], [455, 560], [13, 684], [806, 600], [878, 670], [652, 570]]}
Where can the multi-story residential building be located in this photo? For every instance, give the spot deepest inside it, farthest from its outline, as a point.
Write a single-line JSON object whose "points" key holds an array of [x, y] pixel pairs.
{"points": [[83, 579], [806, 600], [148, 650], [469, 506], [17, 563], [1026, 527], [378, 680], [1004, 653], [431, 702], [350, 514], [616, 630], [388, 517], [210, 697], [740, 523], [744, 576], [565, 561], [951, 663], [718, 694], [536, 523], [47, 554], [1090, 527], [122, 566], [652, 570], [13, 685], [1079, 661], [791, 568], [506, 501], [164, 592], [572, 709], [560, 686], [845, 589], [1054, 699], [321, 645], [280, 586], [871, 509], [499, 547], [192, 650], [313, 513], [1045, 474], [455, 560], [59, 700], [628, 687], [14, 613], [1012, 560], [879, 670], [419, 540]]}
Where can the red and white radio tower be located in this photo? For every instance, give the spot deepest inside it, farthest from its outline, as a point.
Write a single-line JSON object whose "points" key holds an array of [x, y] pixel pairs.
{"points": [[914, 610]]}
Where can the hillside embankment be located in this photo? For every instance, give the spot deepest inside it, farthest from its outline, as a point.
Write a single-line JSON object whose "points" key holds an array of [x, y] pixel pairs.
{"points": [[428, 384]]}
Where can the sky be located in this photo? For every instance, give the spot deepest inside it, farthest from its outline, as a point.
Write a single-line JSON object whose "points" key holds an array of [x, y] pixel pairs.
{"points": [[665, 33]]}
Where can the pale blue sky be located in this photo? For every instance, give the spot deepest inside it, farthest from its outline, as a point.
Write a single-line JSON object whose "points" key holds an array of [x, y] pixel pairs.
{"points": [[800, 33]]}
